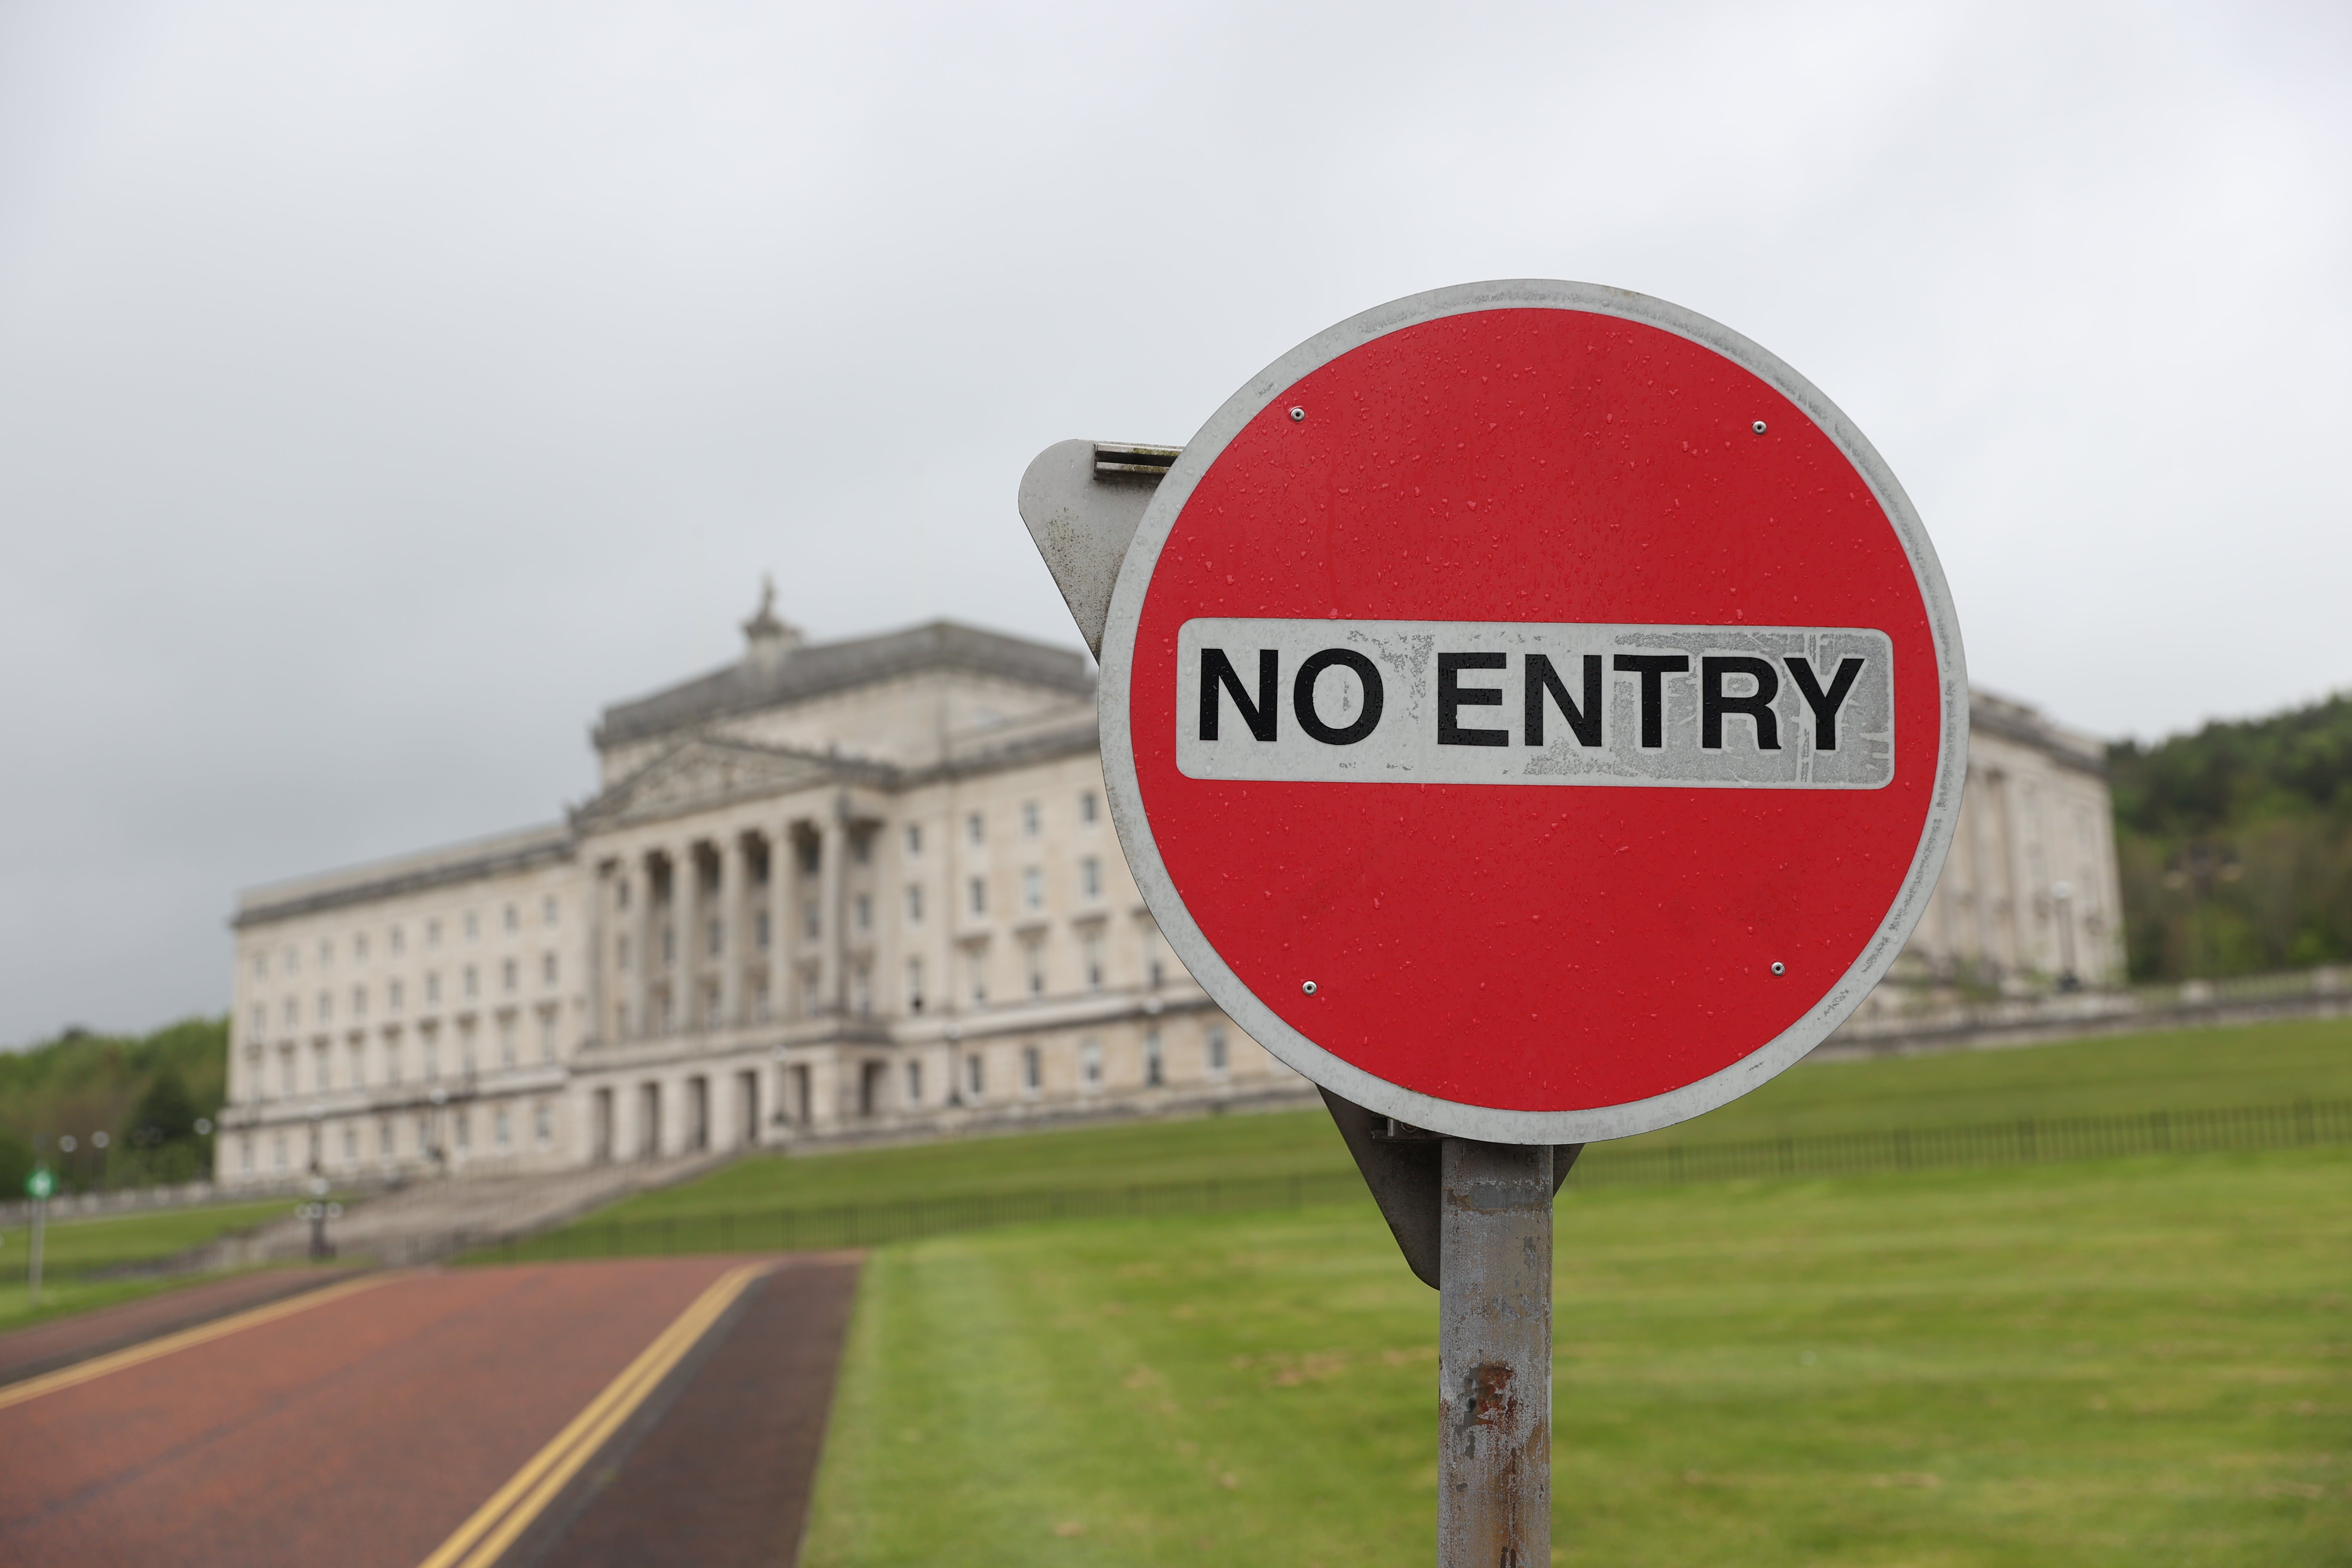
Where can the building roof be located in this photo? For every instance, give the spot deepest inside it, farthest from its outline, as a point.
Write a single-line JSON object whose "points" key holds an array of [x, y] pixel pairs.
{"points": [[2014, 721], [500, 853], [790, 674]]}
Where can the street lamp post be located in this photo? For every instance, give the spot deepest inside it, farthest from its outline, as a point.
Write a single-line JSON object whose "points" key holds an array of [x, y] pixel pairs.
{"points": [[319, 1211]]}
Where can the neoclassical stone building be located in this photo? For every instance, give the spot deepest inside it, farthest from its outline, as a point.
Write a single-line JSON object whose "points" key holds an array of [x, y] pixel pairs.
{"points": [[851, 888]]}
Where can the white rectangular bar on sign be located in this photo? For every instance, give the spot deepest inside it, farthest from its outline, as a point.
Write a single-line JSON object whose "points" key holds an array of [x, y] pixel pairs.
{"points": [[1505, 703]]}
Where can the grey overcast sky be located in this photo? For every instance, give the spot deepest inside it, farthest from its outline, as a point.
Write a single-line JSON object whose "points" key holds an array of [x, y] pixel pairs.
{"points": [[386, 388]]}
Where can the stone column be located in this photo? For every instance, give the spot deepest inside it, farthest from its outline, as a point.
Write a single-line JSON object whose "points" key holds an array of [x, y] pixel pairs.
{"points": [[782, 868], [640, 872], [834, 854], [684, 880], [731, 931], [593, 976]]}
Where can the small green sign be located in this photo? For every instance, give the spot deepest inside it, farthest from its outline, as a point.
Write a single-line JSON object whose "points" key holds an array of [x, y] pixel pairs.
{"points": [[40, 1184]]}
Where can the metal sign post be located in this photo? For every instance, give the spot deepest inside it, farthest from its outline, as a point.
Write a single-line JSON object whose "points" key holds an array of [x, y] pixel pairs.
{"points": [[39, 1186], [1535, 714]]}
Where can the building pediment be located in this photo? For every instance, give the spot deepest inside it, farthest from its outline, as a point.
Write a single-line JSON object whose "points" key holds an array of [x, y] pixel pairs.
{"points": [[707, 772]]}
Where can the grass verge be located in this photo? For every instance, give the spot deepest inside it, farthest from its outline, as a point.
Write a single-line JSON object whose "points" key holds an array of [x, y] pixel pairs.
{"points": [[2144, 1362], [75, 1250]]}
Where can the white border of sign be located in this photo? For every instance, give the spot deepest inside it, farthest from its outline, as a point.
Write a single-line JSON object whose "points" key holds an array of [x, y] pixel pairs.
{"points": [[1451, 1117]]}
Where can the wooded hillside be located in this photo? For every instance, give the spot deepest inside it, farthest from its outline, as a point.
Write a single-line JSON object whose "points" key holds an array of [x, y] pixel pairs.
{"points": [[145, 1093], [2235, 844]]}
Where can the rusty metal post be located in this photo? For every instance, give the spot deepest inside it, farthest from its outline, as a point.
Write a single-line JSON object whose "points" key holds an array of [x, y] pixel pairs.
{"points": [[1494, 1354]]}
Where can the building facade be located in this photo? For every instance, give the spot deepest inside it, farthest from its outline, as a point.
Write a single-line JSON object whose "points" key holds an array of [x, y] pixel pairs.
{"points": [[862, 887]]}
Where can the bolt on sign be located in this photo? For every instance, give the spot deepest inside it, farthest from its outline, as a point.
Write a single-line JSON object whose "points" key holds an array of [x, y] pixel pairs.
{"points": [[1536, 714]]}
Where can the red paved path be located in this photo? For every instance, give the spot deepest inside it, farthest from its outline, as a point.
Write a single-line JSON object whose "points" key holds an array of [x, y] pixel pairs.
{"points": [[26, 1352], [360, 1433]]}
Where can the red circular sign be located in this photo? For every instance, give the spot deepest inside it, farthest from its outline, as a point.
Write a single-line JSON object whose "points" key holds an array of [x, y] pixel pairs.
{"points": [[1534, 712]]}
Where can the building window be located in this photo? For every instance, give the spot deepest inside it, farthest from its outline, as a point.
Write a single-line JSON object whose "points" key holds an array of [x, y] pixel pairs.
{"points": [[278, 1151], [914, 985], [1033, 888], [1217, 1053], [978, 895], [1093, 948], [1158, 973], [975, 1076], [717, 936], [1088, 804], [914, 1083], [262, 966], [1155, 1067], [473, 981], [1090, 878], [432, 1058], [359, 1063], [392, 1060], [245, 1154], [293, 1011], [669, 944], [1031, 819], [1033, 964], [351, 1143], [507, 1040], [861, 849], [547, 1035], [498, 1126], [510, 975], [620, 951], [975, 827], [359, 947], [326, 1007], [547, 910], [861, 991], [393, 992], [327, 945], [399, 942], [978, 960], [811, 920], [1033, 1069], [759, 931], [864, 906], [321, 1074], [1090, 1063], [915, 847], [383, 1138], [433, 933], [359, 1001], [261, 1021], [514, 918], [465, 1130], [473, 926], [542, 1123], [547, 969], [914, 903], [620, 894], [286, 1071]]}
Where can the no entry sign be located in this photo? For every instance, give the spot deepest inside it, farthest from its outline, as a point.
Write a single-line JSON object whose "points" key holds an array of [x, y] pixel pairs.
{"points": [[1533, 711]]}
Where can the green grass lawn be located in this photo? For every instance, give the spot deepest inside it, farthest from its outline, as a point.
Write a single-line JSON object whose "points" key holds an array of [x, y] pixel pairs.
{"points": [[2142, 1362], [76, 1249], [2177, 1071]]}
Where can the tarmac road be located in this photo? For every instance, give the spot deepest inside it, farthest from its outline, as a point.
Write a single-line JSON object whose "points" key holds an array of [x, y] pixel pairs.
{"points": [[452, 1418]]}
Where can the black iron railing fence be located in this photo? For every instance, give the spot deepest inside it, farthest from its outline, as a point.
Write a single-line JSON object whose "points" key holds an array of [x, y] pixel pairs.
{"points": [[2023, 1141]]}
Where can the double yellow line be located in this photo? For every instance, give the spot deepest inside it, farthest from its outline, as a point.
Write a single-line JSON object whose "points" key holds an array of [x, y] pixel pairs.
{"points": [[98, 1366], [512, 1509]]}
